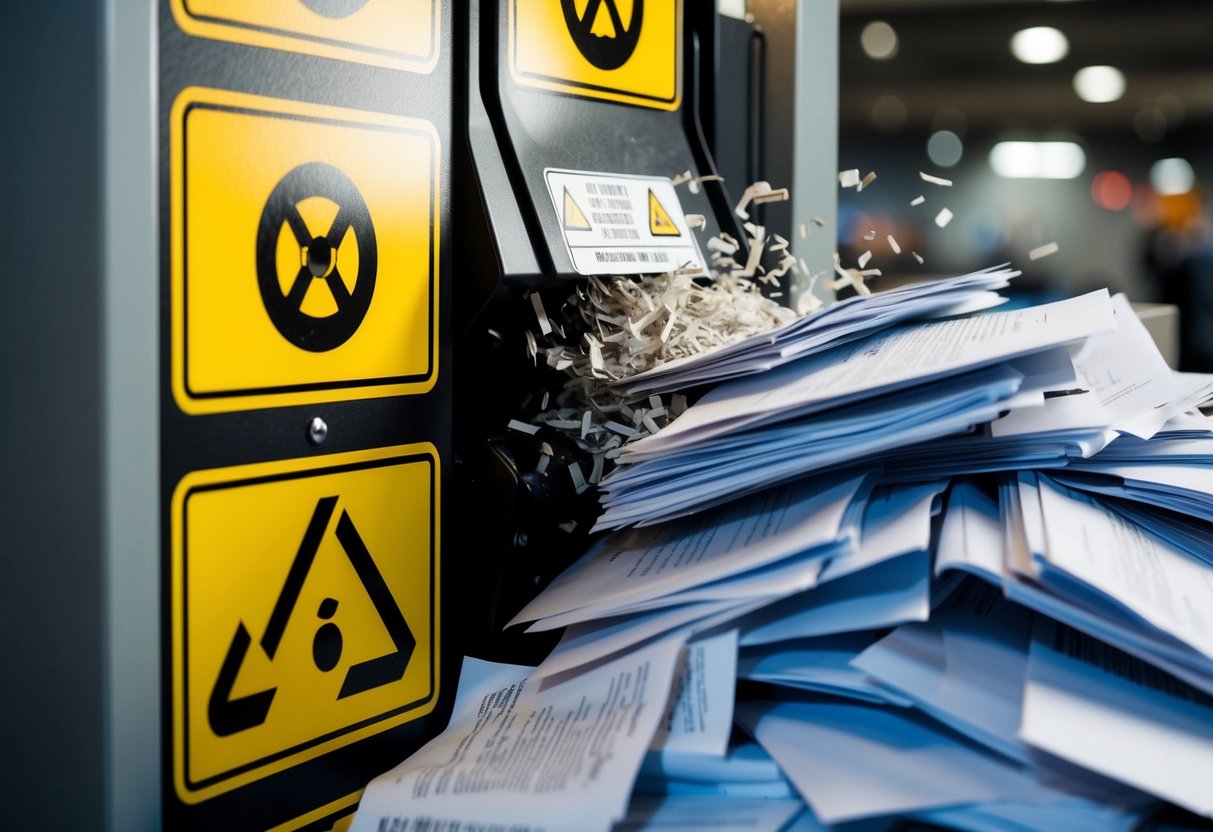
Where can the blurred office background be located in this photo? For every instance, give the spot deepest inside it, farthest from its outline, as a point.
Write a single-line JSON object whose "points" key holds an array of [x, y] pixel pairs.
{"points": [[1087, 123]]}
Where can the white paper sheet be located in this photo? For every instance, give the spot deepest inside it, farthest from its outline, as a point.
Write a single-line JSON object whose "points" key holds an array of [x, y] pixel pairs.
{"points": [[585, 645], [695, 814], [896, 520], [561, 758], [744, 762], [1129, 375], [700, 718], [1111, 713], [851, 761], [641, 564], [1163, 585], [971, 539], [885, 595], [895, 358], [965, 667]]}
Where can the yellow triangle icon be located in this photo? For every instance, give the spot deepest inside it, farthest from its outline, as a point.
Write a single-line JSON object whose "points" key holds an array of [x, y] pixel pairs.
{"points": [[574, 217], [660, 224]]}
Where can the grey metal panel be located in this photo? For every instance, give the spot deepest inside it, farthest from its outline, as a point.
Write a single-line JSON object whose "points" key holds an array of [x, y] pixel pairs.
{"points": [[800, 120], [50, 401], [815, 127], [130, 453]]}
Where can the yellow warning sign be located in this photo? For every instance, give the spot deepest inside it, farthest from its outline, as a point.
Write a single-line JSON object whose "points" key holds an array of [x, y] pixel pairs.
{"points": [[660, 224], [304, 610], [618, 50], [574, 217], [398, 34], [304, 253]]}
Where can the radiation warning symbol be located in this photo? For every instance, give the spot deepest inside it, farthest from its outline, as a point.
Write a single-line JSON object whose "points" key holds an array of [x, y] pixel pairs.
{"points": [[660, 223], [304, 252], [626, 51], [574, 217], [348, 239], [304, 609], [602, 33]]}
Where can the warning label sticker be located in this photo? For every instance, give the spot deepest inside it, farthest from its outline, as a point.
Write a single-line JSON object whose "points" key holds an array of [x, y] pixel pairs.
{"points": [[304, 610], [398, 34], [618, 50], [304, 253], [616, 224]]}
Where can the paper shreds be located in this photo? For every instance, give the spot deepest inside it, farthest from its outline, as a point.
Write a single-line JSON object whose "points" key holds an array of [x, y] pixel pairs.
{"points": [[870, 235], [685, 176], [545, 326], [848, 178], [804, 230], [918, 200], [943, 218], [1042, 251], [864, 258], [693, 187], [917, 257], [622, 430], [758, 193], [579, 483], [523, 427], [893, 244], [808, 303], [867, 180], [935, 180], [777, 195], [697, 221], [620, 326]]}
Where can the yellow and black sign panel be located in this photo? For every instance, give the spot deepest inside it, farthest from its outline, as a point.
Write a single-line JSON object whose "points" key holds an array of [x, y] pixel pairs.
{"points": [[304, 610], [398, 34], [305, 246], [618, 50]]}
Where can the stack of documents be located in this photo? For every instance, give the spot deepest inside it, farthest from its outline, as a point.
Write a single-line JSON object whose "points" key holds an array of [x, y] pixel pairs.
{"points": [[958, 571], [844, 321], [848, 406]]}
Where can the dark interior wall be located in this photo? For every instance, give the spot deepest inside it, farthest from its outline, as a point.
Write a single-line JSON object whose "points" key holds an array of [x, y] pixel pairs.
{"points": [[51, 771]]}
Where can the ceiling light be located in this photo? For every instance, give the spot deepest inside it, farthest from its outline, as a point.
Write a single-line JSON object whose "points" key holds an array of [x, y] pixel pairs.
{"points": [[1171, 177], [1040, 45], [944, 148], [1037, 160], [879, 40], [1099, 84]]}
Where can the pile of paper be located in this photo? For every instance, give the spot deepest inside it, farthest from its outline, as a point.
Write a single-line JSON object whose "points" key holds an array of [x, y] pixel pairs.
{"points": [[958, 571]]}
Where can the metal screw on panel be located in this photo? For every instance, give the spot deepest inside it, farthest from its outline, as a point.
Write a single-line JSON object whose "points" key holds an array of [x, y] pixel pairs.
{"points": [[317, 431]]}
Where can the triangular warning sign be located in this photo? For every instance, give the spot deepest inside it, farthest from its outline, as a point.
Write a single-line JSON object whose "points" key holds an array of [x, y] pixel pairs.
{"points": [[230, 714], [660, 224], [574, 217]]}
